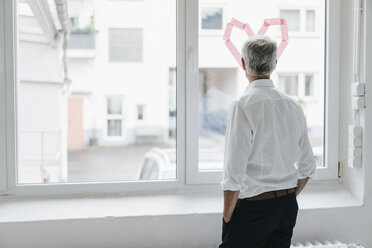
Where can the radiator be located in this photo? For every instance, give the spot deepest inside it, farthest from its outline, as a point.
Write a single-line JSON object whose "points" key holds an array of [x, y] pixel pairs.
{"points": [[326, 244]]}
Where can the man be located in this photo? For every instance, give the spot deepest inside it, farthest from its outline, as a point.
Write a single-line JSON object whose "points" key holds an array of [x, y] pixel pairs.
{"points": [[268, 157]]}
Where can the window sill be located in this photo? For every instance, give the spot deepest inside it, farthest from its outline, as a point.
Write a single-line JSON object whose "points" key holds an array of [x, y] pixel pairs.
{"points": [[316, 195]]}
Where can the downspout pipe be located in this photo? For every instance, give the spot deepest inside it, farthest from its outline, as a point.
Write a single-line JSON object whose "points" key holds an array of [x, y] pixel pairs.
{"points": [[64, 20]]}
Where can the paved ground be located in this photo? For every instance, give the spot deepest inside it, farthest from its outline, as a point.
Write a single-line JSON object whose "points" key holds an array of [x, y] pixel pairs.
{"points": [[107, 163]]}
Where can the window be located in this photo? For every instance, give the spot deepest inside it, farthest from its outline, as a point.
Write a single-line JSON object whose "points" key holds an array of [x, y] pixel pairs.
{"points": [[221, 80], [211, 18], [309, 85], [126, 44], [114, 116], [310, 20], [185, 84], [300, 19], [98, 137], [140, 112], [74, 20], [293, 18], [299, 85], [289, 84]]}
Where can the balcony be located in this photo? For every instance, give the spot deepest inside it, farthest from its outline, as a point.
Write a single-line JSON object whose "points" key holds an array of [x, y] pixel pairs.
{"points": [[82, 43]]}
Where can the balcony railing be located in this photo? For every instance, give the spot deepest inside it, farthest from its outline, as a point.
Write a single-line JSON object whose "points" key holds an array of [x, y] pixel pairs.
{"points": [[82, 40]]}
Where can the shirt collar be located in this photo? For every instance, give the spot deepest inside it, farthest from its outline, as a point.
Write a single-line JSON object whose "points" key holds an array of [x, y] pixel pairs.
{"points": [[260, 83]]}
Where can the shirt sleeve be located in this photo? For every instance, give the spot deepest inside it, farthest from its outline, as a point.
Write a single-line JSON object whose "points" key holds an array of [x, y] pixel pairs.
{"points": [[238, 144], [305, 164]]}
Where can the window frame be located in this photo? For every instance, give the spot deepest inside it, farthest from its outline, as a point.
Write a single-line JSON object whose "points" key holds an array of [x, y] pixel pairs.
{"points": [[303, 18], [301, 85], [119, 117], [187, 143], [331, 100]]}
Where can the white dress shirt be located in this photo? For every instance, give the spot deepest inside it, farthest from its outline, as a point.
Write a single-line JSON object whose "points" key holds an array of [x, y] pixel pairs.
{"points": [[266, 144]]}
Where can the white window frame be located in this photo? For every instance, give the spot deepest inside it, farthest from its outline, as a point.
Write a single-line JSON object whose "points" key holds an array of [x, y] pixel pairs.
{"points": [[187, 118], [303, 20], [331, 142], [301, 85], [120, 117]]}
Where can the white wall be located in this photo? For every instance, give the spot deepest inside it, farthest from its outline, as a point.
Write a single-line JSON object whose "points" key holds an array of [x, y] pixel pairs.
{"points": [[40, 111]]}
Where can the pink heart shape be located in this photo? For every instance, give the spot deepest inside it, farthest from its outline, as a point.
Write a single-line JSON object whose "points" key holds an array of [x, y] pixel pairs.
{"points": [[247, 28]]}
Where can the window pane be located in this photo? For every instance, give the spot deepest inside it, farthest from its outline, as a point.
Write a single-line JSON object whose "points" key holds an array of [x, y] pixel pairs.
{"points": [[293, 18], [88, 130], [221, 79], [114, 127], [289, 84], [140, 112], [211, 18], [114, 105], [125, 44], [310, 20], [309, 85]]}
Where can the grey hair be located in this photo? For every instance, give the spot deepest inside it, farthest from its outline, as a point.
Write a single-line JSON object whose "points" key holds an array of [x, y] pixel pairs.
{"points": [[259, 54]]}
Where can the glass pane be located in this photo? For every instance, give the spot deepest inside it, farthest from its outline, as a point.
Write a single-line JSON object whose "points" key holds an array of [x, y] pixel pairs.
{"points": [[310, 20], [289, 84], [309, 85], [211, 18], [114, 105], [114, 127], [221, 79], [109, 120], [293, 18]]}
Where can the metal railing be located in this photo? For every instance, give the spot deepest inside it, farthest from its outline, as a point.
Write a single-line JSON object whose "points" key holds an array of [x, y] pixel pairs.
{"points": [[82, 40], [42, 159]]}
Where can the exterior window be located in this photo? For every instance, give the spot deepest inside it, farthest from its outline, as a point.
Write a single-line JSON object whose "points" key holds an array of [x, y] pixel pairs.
{"points": [[293, 18], [289, 84], [113, 127], [299, 20], [309, 85], [92, 134], [74, 20], [114, 116], [114, 106], [140, 112], [211, 18], [310, 20], [126, 44], [298, 85]]}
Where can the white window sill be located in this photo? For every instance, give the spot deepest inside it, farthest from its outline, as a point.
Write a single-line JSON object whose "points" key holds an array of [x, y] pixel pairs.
{"points": [[315, 196]]}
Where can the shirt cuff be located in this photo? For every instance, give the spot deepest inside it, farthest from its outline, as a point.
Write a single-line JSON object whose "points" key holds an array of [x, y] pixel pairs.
{"points": [[227, 185], [307, 173]]}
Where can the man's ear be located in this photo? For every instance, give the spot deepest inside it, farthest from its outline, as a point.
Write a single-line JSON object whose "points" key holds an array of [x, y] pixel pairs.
{"points": [[243, 64]]}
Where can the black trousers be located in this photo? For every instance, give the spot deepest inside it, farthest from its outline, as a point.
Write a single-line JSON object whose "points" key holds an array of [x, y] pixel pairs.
{"points": [[261, 224]]}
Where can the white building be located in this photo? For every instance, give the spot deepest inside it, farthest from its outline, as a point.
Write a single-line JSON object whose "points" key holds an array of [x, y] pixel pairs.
{"points": [[127, 45], [42, 118]]}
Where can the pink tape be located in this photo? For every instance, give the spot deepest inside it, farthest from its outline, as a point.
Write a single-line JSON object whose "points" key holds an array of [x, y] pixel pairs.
{"points": [[247, 28], [274, 21], [263, 29], [237, 23], [228, 31], [234, 52], [284, 30], [281, 48]]}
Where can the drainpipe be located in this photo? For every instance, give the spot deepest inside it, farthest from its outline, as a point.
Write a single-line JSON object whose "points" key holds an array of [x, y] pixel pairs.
{"points": [[62, 11]]}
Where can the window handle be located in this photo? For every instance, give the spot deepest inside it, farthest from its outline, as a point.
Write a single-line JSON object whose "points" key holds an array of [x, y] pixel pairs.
{"points": [[192, 59]]}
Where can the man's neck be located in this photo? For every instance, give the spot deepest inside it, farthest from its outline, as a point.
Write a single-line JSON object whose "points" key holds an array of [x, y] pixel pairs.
{"points": [[252, 78]]}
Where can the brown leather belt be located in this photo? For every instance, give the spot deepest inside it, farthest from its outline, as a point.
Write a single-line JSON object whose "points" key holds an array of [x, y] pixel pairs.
{"points": [[270, 194]]}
